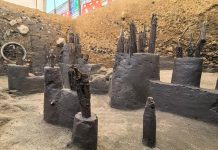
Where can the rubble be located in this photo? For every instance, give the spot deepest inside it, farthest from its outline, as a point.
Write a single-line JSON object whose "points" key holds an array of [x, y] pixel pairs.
{"points": [[23, 29]]}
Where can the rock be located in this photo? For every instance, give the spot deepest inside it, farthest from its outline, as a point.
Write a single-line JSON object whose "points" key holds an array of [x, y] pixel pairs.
{"points": [[123, 15], [169, 49], [99, 84], [170, 53], [15, 21], [23, 29], [60, 42], [8, 32]]}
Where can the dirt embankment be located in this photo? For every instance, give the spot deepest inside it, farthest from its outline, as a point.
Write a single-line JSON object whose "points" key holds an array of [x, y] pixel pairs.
{"points": [[100, 29]]}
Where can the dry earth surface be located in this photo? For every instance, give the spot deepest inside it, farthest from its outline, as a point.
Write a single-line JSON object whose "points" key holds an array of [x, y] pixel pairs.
{"points": [[22, 126]]}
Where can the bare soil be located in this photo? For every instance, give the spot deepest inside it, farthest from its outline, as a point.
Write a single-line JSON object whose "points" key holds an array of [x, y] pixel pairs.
{"points": [[100, 29], [22, 126]]}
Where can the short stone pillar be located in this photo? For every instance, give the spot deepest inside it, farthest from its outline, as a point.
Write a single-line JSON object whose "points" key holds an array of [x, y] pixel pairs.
{"points": [[53, 85], [130, 80], [16, 75], [149, 124], [187, 71], [85, 132]]}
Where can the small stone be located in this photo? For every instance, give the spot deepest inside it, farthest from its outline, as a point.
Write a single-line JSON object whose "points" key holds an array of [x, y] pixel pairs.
{"points": [[60, 42], [170, 53], [12, 22], [15, 21], [8, 32], [23, 29], [169, 49], [123, 15]]}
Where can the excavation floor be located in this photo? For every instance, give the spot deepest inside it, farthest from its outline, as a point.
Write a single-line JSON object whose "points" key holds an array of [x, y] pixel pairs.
{"points": [[22, 126]]}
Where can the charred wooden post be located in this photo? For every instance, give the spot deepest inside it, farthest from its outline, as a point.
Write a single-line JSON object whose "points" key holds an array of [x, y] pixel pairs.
{"points": [[141, 42], [149, 124], [85, 128], [121, 42], [51, 58], [179, 51], [144, 37], [72, 78], [77, 45], [70, 37], [83, 91], [190, 49], [153, 34], [201, 41], [126, 45], [133, 44]]}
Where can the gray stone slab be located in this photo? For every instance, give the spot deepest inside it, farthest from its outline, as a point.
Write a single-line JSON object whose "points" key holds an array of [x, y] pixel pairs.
{"points": [[130, 80], [186, 101]]}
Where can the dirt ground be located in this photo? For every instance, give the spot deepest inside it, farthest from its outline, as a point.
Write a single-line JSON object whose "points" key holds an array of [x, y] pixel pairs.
{"points": [[22, 126]]}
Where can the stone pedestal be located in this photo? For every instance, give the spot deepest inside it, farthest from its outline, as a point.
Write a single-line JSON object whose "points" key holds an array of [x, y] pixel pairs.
{"points": [[53, 85], [16, 75], [85, 132], [187, 71], [186, 101], [130, 80]]}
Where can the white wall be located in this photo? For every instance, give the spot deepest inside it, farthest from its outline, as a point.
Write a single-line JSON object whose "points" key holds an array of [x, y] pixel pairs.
{"points": [[41, 4]]}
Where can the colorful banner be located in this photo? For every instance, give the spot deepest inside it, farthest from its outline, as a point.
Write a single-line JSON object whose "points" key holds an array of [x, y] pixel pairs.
{"points": [[86, 7], [89, 6]]}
